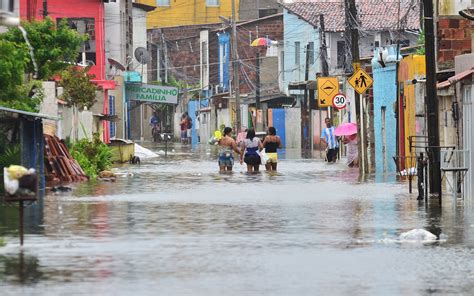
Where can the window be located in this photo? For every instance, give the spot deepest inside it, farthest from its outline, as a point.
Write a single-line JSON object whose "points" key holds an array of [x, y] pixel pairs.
{"points": [[341, 54], [162, 2], [112, 112], [212, 3], [297, 52], [311, 53], [84, 26], [404, 43]]}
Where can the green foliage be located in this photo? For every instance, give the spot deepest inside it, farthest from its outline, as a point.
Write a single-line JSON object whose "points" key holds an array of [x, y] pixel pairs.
{"points": [[421, 41], [12, 68], [55, 46], [11, 155], [92, 155], [79, 91], [28, 97]]}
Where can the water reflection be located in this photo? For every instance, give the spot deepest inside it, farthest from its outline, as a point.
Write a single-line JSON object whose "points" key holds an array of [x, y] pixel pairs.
{"points": [[178, 226], [21, 269]]}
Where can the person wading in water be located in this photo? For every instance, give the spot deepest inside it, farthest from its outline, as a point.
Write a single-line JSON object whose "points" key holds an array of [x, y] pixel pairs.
{"points": [[252, 145], [271, 143], [226, 147]]}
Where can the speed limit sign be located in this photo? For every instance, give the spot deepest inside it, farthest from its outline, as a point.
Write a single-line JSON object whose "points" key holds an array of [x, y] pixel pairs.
{"points": [[339, 101]]}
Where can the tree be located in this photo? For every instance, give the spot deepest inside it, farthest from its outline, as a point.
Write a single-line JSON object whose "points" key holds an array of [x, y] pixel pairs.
{"points": [[79, 91], [55, 46], [14, 93]]}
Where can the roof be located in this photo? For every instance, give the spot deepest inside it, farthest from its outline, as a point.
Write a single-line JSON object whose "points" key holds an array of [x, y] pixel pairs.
{"points": [[455, 79], [374, 16], [144, 7], [28, 114]]}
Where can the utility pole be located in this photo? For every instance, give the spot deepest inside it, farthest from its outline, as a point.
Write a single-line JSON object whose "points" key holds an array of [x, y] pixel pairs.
{"points": [[235, 66], [431, 101], [324, 51], [45, 8], [352, 37], [257, 81], [304, 109]]}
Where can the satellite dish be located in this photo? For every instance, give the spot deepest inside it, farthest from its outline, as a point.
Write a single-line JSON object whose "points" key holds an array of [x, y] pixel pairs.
{"points": [[116, 64], [141, 55]]}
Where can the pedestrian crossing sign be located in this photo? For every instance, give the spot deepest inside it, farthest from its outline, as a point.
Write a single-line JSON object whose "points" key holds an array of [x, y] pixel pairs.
{"points": [[328, 87], [361, 81]]}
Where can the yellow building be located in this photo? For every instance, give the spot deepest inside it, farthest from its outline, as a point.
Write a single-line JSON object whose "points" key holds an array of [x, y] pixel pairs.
{"points": [[411, 67], [171, 13]]}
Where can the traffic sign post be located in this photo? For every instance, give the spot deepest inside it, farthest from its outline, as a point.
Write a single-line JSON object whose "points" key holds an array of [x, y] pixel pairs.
{"points": [[328, 87], [360, 81], [339, 101]]}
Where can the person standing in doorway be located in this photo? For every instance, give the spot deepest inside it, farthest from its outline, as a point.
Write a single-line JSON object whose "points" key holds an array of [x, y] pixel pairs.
{"points": [[330, 140], [183, 125], [251, 146], [227, 146], [189, 126], [271, 143]]}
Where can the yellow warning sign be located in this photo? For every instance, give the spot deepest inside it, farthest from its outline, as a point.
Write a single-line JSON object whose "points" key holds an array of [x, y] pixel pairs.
{"points": [[360, 81], [328, 87]]}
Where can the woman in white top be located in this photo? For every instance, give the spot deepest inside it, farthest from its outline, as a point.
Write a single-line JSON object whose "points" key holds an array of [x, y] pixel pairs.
{"points": [[252, 145]]}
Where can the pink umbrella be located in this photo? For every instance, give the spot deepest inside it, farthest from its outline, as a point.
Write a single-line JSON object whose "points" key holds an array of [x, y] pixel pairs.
{"points": [[346, 129]]}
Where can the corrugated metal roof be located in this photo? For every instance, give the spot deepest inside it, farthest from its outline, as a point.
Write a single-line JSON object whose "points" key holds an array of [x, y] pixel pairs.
{"points": [[454, 79], [28, 114]]}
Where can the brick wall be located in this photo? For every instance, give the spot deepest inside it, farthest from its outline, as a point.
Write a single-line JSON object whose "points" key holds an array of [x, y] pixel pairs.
{"points": [[454, 38], [270, 27], [183, 50]]}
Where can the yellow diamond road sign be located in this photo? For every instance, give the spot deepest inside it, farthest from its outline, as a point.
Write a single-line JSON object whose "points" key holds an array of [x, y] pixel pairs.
{"points": [[360, 81], [328, 87]]}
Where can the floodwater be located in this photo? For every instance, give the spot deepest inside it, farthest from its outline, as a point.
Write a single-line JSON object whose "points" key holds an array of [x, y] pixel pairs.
{"points": [[174, 226]]}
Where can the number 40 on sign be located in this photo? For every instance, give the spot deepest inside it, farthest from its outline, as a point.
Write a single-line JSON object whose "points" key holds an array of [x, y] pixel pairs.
{"points": [[339, 101]]}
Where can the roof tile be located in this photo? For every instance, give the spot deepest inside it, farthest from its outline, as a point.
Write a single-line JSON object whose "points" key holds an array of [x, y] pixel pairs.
{"points": [[374, 15]]}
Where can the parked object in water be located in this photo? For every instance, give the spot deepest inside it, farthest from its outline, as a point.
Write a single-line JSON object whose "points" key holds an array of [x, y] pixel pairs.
{"points": [[418, 235], [144, 153], [134, 160]]}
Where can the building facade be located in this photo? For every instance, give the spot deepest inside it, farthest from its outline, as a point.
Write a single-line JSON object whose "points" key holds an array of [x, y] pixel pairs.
{"points": [[172, 13]]}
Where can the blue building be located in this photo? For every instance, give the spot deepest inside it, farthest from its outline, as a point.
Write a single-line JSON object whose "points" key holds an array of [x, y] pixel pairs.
{"points": [[300, 30], [385, 100]]}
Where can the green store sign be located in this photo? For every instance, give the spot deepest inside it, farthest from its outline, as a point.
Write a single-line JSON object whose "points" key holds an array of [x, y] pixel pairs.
{"points": [[152, 93]]}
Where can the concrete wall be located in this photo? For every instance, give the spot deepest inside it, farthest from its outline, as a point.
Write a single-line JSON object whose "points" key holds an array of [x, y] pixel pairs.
{"points": [[298, 30], [385, 96], [140, 39], [49, 106], [366, 45], [114, 34], [412, 67], [249, 9], [293, 128]]}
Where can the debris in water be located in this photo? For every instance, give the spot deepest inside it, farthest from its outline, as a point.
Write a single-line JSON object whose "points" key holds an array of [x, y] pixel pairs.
{"points": [[418, 235]]}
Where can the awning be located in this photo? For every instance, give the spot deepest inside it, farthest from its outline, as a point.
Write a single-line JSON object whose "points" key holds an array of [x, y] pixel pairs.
{"points": [[105, 84], [28, 114], [107, 117], [302, 85], [455, 79], [273, 100]]}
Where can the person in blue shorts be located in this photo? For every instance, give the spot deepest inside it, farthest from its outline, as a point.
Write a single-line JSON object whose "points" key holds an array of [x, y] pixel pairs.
{"points": [[227, 146]]}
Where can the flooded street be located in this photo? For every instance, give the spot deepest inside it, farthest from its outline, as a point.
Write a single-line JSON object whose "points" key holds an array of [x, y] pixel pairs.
{"points": [[174, 226]]}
